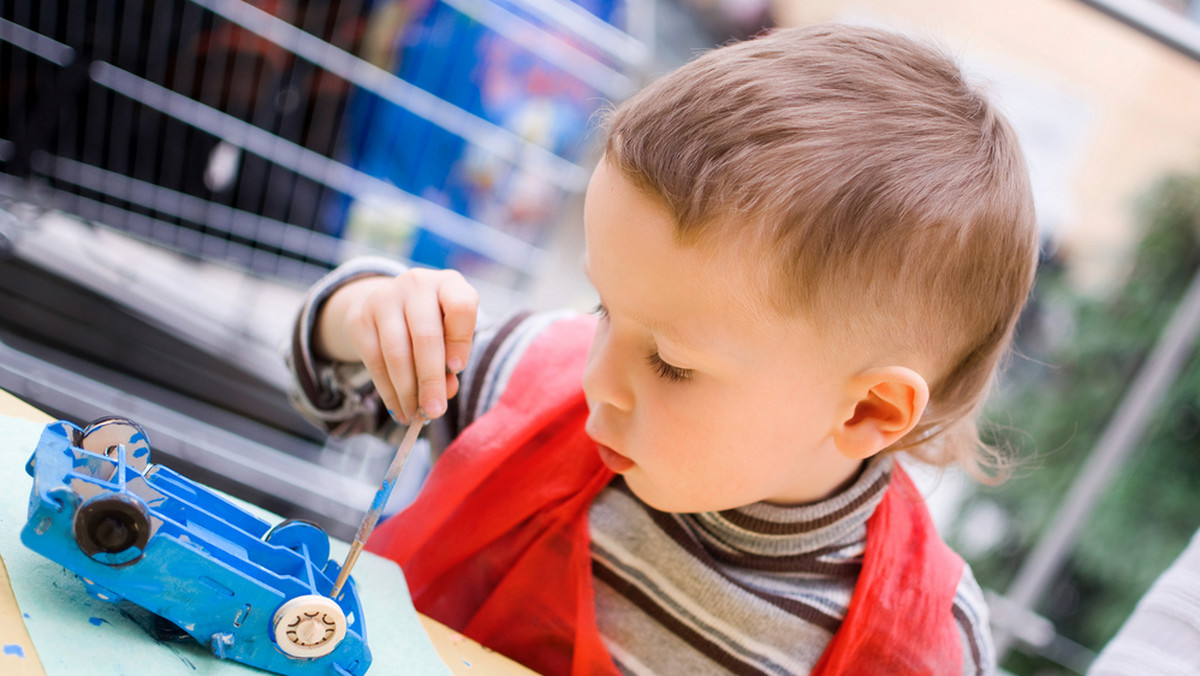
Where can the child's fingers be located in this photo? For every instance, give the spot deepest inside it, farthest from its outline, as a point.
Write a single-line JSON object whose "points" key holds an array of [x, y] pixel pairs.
{"points": [[451, 385], [424, 319], [413, 334], [397, 352], [367, 341], [460, 306]]}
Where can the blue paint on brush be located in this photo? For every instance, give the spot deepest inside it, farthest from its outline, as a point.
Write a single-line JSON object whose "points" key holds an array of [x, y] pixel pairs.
{"points": [[97, 621], [381, 496]]}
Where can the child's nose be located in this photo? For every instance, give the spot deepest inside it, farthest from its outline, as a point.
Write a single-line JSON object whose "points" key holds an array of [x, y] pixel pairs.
{"points": [[605, 381]]}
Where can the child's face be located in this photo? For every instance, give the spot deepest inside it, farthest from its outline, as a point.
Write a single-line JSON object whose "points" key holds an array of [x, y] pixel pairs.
{"points": [[701, 396]]}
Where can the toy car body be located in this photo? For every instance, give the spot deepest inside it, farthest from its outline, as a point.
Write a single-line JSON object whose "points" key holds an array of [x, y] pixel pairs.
{"points": [[145, 533]]}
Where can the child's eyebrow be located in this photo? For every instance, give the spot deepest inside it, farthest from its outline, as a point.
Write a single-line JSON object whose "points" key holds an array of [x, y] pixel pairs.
{"points": [[655, 326]]}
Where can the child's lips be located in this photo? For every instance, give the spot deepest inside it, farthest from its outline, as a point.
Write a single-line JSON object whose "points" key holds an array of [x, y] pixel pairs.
{"points": [[613, 460]]}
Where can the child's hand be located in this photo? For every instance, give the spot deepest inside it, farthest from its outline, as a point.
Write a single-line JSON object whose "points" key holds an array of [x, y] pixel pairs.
{"points": [[413, 332]]}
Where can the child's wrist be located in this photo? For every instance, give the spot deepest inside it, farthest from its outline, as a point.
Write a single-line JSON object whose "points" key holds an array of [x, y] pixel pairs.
{"points": [[331, 337]]}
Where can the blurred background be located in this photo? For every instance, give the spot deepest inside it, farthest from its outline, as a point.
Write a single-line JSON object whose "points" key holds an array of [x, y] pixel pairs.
{"points": [[175, 173]]}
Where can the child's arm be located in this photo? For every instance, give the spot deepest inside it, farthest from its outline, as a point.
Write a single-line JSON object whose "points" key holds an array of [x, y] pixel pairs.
{"points": [[339, 396], [413, 333]]}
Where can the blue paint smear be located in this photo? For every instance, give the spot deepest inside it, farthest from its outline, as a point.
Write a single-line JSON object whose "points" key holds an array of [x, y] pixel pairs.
{"points": [[381, 497], [26, 615], [97, 621], [14, 649]]}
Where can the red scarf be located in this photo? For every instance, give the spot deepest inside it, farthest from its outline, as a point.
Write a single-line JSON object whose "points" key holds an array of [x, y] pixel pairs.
{"points": [[497, 544]]}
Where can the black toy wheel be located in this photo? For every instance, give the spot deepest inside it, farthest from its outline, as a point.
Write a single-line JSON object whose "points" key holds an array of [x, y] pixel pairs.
{"points": [[112, 529]]}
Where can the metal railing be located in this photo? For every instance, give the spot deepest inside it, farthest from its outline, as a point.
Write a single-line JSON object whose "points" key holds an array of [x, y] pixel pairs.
{"points": [[256, 135]]}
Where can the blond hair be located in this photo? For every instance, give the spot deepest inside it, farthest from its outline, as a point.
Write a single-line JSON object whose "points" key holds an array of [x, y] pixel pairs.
{"points": [[892, 197]]}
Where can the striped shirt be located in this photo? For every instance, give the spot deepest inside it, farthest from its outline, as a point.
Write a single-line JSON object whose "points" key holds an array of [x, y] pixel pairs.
{"points": [[760, 589]]}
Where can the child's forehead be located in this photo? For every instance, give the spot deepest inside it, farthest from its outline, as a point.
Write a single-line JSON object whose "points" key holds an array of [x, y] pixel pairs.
{"points": [[722, 290], [631, 230]]}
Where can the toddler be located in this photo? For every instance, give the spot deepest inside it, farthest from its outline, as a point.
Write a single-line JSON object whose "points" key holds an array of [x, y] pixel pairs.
{"points": [[810, 251]]}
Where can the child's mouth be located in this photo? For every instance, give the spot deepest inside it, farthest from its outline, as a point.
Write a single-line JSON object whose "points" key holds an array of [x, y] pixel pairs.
{"points": [[613, 460]]}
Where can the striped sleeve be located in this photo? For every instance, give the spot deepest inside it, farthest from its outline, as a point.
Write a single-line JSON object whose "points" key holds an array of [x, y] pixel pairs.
{"points": [[340, 397], [494, 354], [334, 396]]}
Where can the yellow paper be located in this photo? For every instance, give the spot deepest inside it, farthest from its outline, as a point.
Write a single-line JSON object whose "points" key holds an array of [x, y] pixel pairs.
{"points": [[17, 656]]}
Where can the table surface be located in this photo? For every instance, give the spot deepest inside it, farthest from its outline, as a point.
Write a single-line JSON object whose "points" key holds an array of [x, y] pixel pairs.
{"points": [[58, 614]]}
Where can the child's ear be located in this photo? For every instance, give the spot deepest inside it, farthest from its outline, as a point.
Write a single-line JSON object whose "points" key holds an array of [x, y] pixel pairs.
{"points": [[887, 402]]}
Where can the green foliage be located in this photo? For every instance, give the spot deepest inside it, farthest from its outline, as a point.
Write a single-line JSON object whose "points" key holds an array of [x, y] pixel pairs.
{"points": [[1079, 356]]}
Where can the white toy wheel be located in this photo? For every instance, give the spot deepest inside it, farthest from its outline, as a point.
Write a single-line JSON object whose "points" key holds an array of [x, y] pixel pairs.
{"points": [[103, 435], [309, 626]]}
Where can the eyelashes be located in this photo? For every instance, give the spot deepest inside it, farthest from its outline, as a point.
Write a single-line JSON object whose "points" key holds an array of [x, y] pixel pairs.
{"points": [[664, 370], [667, 371]]}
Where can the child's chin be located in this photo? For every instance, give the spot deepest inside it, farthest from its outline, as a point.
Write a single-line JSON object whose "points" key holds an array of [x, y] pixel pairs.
{"points": [[660, 500]]}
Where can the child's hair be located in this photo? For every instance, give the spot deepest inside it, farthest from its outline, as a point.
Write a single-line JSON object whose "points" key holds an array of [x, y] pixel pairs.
{"points": [[891, 197]]}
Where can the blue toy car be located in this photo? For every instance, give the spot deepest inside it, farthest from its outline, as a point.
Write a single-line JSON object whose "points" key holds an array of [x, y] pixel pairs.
{"points": [[131, 530]]}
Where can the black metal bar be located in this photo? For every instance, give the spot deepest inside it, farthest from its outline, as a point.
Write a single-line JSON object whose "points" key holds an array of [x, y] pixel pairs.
{"points": [[1173, 30]]}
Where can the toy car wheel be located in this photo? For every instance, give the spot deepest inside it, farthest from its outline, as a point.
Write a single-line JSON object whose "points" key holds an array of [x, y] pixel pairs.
{"points": [[299, 535], [309, 626], [112, 529], [102, 436]]}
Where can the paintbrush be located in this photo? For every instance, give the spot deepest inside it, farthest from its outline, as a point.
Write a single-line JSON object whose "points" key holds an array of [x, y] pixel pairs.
{"points": [[381, 498]]}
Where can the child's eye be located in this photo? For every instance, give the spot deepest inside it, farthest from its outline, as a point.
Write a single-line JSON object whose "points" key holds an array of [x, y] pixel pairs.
{"points": [[667, 371], [600, 311]]}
